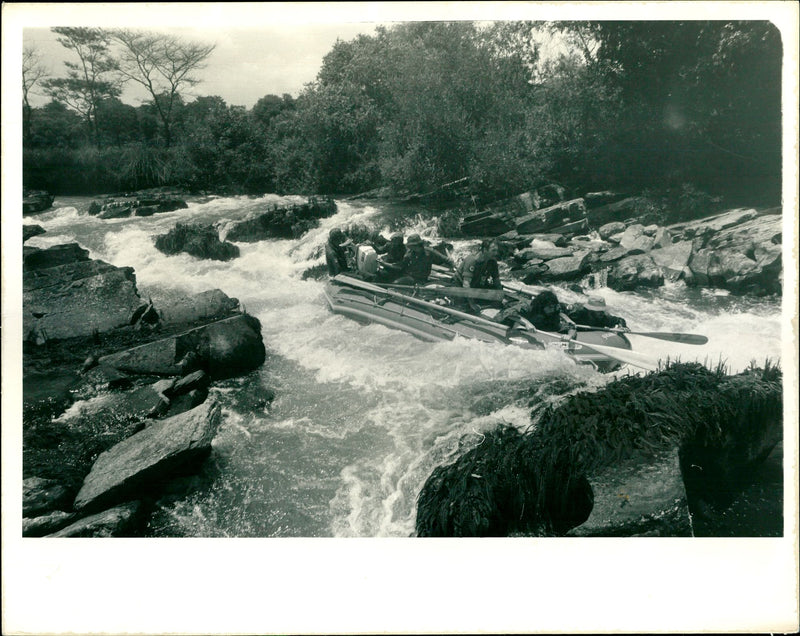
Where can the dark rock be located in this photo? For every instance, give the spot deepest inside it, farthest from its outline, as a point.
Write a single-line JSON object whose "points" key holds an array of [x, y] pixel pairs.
{"points": [[282, 222], [46, 524], [558, 215], [225, 348], [29, 231], [115, 211], [200, 241], [597, 199], [120, 521], [129, 205], [196, 380], [137, 465], [543, 253], [635, 271], [618, 211], [42, 495], [34, 201], [485, 224], [106, 377], [55, 255]]}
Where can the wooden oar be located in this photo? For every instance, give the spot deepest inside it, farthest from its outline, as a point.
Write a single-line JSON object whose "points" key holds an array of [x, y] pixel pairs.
{"points": [[670, 336], [622, 355], [456, 292]]}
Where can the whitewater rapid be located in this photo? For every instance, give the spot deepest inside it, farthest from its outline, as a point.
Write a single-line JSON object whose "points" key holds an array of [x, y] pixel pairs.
{"points": [[363, 414]]}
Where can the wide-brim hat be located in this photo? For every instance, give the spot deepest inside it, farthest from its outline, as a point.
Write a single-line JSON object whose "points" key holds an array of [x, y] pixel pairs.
{"points": [[595, 303], [414, 239], [396, 235]]}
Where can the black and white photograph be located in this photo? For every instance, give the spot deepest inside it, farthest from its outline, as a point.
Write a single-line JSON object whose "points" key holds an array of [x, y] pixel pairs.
{"points": [[400, 317]]}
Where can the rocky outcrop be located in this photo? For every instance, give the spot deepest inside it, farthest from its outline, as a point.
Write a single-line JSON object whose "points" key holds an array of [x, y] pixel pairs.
{"points": [[206, 305], [558, 215], [605, 462], [200, 241], [40, 496], [120, 521], [29, 231], [34, 201], [67, 295], [223, 349], [136, 466], [126, 206], [285, 222], [635, 271]]}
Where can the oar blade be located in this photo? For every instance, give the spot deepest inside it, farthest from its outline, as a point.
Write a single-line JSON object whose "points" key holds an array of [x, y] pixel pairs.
{"points": [[684, 338]]}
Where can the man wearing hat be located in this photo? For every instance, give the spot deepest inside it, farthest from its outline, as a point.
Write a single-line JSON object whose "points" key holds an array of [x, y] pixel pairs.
{"points": [[593, 313], [335, 254], [416, 264]]}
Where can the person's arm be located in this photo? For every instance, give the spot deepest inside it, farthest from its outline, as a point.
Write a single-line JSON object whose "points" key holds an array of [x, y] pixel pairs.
{"points": [[495, 276]]}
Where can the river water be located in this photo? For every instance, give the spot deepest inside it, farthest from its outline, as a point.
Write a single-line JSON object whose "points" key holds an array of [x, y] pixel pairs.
{"points": [[363, 414]]}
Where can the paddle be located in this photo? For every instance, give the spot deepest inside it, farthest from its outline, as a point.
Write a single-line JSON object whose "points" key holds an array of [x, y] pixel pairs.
{"points": [[685, 338], [456, 292], [625, 356]]}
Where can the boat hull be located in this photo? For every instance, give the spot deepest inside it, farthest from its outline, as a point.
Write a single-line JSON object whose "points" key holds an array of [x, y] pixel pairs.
{"points": [[426, 322]]}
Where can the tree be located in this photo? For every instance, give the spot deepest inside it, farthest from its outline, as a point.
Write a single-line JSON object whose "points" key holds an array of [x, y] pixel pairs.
{"points": [[91, 80], [33, 72], [163, 65]]}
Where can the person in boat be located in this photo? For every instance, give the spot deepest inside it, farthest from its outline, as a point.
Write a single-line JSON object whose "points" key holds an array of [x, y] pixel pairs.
{"points": [[336, 252], [395, 250], [594, 313], [480, 271], [416, 265], [378, 242]]}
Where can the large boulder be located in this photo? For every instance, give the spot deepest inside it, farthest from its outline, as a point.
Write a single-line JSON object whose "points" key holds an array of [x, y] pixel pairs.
{"points": [[34, 201], [119, 521], [140, 464], [611, 229], [673, 259], [200, 241], [566, 268], [66, 295], [635, 240], [618, 211], [203, 306], [224, 348], [639, 496], [289, 221], [40, 496], [125, 206], [635, 271]]}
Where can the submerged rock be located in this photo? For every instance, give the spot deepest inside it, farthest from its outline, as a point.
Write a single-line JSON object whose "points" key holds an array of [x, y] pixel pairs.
{"points": [[290, 221], [29, 231], [34, 201], [139, 464], [42, 495]]}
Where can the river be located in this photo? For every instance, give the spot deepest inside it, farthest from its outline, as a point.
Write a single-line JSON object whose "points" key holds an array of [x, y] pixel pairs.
{"points": [[363, 414]]}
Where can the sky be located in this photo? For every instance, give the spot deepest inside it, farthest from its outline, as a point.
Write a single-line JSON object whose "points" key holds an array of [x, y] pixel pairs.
{"points": [[246, 64]]}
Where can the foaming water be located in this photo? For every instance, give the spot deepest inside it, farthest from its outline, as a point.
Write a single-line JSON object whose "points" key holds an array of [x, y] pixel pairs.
{"points": [[363, 414]]}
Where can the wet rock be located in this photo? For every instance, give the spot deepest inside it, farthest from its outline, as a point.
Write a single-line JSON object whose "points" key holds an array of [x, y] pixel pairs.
{"points": [[125, 206], [543, 253], [673, 259], [66, 295], [106, 377], [566, 268], [597, 199], [282, 221], [635, 240], [34, 201], [46, 524], [119, 521], [136, 466], [485, 223], [196, 380], [635, 271], [29, 231], [203, 306], [640, 495], [200, 241], [42, 495], [224, 348], [618, 211]]}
